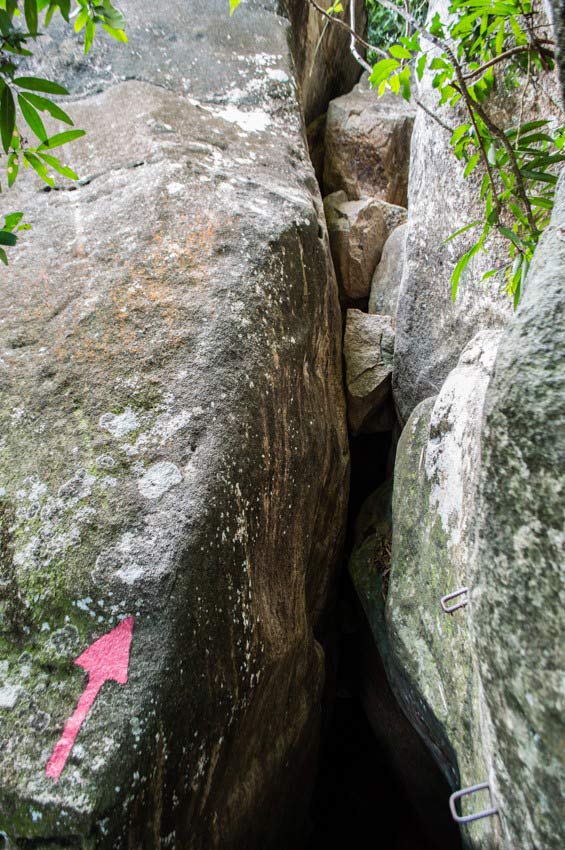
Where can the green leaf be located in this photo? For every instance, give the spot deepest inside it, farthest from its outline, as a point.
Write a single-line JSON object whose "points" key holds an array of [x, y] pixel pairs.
{"points": [[459, 132], [539, 176], [11, 221], [436, 26], [518, 214], [421, 65], [119, 35], [462, 265], [30, 12], [45, 105], [7, 117], [37, 84], [460, 231], [13, 168], [439, 64], [526, 128], [382, 70], [32, 118], [8, 239], [544, 203], [513, 237], [394, 83], [3, 256], [62, 139], [57, 166], [89, 34], [233, 5], [31, 159], [399, 52], [473, 160], [81, 20]]}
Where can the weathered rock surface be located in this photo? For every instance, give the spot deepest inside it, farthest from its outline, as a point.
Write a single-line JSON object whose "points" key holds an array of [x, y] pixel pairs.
{"points": [[432, 330], [358, 231], [368, 349], [432, 665], [172, 446], [368, 145], [385, 284], [518, 575], [325, 65], [556, 13]]}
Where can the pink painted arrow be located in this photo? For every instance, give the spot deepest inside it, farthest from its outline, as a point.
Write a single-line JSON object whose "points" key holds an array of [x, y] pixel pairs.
{"points": [[107, 658]]}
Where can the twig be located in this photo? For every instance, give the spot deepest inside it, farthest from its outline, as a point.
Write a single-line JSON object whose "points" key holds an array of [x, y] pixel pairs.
{"points": [[435, 117], [524, 48], [344, 25]]}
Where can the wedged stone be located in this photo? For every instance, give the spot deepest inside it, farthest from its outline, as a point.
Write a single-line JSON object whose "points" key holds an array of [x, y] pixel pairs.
{"points": [[172, 445], [432, 330], [368, 145], [518, 575], [432, 665], [385, 284], [326, 67], [358, 231], [368, 349]]}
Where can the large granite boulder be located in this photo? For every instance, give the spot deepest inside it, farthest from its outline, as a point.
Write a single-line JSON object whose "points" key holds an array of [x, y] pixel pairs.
{"points": [[431, 663], [518, 574], [172, 447], [358, 231], [368, 145], [326, 68]]}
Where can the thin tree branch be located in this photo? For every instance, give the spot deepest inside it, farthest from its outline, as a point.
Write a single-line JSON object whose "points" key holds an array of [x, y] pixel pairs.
{"points": [[435, 117], [344, 25], [513, 51]]}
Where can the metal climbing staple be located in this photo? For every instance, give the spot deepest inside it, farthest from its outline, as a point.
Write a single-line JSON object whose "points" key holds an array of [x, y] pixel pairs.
{"points": [[464, 792], [449, 609]]}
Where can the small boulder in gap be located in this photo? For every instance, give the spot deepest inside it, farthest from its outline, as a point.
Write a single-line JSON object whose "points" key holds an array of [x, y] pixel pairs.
{"points": [[368, 145], [368, 350], [358, 231], [388, 274]]}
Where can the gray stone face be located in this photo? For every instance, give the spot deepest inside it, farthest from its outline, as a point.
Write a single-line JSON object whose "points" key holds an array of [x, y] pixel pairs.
{"points": [[518, 580], [358, 231], [325, 65], [431, 664], [368, 348], [385, 285], [368, 145], [556, 13], [172, 445]]}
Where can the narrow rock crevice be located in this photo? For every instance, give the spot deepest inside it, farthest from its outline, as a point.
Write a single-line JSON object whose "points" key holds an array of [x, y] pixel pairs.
{"points": [[376, 781]]}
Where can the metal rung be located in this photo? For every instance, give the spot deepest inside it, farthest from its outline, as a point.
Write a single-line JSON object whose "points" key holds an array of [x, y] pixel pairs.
{"points": [[464, 792], [454, 595]]}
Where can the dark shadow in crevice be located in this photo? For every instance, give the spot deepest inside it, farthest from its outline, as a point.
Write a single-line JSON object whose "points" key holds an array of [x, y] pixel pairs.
{"points": [[361, 800]]}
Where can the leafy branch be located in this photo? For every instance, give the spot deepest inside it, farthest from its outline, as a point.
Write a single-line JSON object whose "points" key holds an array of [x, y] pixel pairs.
{"points": [[519, 162], [484, 46], [22, 98]]}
